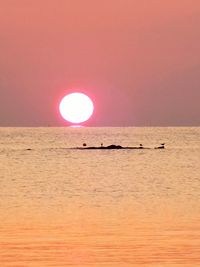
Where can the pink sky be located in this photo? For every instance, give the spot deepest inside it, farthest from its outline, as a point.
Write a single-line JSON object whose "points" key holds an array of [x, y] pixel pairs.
{"points": [[138, 60]]}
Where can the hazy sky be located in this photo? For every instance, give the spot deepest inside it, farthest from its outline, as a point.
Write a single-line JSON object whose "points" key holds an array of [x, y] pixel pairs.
{"points": [[139, 60]]}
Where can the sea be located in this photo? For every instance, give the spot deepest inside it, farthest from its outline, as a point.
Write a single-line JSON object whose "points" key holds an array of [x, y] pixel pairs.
{"points": [[61, 206]]}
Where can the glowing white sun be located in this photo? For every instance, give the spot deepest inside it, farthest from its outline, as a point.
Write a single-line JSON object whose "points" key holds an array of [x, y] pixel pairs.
{"points": [[76, 107]]}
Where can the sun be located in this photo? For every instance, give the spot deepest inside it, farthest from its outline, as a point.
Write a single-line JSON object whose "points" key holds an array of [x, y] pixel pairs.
{"points": [[76, 107]]}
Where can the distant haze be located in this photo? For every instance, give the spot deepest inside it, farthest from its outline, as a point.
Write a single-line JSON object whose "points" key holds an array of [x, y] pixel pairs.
{"points": [[138, 60]]}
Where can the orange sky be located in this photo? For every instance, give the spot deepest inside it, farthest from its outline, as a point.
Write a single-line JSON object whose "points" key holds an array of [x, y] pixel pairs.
{"points": [[139, 60]]}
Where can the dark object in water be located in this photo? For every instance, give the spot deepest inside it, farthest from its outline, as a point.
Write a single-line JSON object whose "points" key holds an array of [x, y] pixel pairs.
{"points": [[162, 146], [105, 147], [112, 147]]}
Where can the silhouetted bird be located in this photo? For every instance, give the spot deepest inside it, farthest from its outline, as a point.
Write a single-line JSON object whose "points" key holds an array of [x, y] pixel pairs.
{"points": [[161, 146]]}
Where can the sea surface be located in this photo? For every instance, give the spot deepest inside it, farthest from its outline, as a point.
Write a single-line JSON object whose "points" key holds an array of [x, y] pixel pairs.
{"points": [[61, 206]]}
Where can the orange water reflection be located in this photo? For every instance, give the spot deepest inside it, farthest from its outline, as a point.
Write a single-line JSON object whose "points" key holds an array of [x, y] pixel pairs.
{"points": [[100, 240]]}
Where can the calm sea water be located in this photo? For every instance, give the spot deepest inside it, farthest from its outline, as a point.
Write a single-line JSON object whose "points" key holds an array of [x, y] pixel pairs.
{"points": [[67, 207]]}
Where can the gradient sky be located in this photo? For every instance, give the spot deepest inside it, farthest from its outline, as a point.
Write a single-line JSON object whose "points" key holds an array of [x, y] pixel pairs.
{"points": [[138, 60]]}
